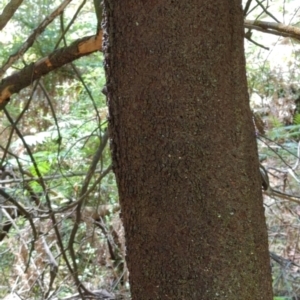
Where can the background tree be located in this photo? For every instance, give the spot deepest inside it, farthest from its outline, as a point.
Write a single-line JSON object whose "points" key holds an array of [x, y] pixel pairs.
{"points": [[184, 151]]}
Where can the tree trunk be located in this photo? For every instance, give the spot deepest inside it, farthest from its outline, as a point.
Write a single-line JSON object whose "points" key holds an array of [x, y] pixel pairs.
{"points": [[184, 150]]}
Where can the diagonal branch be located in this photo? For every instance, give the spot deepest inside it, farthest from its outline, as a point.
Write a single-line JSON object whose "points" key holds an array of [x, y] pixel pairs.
{"points": [[246, 8], [274, 28], [266, 11], [30, 40], [8, 12], [16, 82]]}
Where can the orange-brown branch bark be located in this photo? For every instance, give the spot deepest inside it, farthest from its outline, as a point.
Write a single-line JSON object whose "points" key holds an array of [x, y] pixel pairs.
{"points": [[17, 81]]}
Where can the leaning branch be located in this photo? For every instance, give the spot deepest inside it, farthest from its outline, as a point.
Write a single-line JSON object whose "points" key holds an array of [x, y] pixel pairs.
{"points": [[17, 81], [274, 28], [30, 40], [8, 12]]}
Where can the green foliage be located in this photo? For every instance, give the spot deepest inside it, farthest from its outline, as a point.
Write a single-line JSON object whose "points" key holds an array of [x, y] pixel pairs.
{"points": [[50, 157], [297, 119], [6, 262], [273, 81]]}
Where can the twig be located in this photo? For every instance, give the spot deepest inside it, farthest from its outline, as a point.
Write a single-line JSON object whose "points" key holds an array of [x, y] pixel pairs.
{"points": [[266, 11], [41, 85], [22, 211], [46, 178], [70, 23], [53, 266], [247, 6], [256, 43], [44, 187], [30, 40], [282, 261], [82, 194]]}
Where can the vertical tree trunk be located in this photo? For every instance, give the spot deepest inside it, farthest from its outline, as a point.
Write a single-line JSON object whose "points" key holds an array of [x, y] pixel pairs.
{"points": [[184, 150]]}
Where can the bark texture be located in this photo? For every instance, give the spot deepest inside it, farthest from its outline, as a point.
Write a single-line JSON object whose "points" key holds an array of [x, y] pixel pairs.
{"points": [[184, 150]]}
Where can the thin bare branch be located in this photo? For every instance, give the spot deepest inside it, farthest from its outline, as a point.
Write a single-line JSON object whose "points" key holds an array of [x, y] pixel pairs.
{"points": [[8, 12], [53, 266], [247, 6], [44, 187], [266, 11], [64, 31], [83, 191], [30, 40], [21, 210], [256, 43], [46, 178]]}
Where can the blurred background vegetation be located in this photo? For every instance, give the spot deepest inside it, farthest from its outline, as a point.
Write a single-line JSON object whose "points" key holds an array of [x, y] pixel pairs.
{"points": [[60, 232]]}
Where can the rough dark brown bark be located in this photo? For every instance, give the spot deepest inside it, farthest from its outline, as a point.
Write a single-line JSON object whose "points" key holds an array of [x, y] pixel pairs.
{"points": [[184, 150]]}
